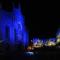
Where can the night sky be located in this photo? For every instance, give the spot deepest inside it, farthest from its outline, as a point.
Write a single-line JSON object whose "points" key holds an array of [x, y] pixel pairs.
{"points": [[42, 19]]}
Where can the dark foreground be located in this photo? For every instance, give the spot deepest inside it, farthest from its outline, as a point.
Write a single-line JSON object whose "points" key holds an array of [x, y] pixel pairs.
{"points": [[39, 54]]}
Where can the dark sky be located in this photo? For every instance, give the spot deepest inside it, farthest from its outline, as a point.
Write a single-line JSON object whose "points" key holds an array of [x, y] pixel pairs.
{"points": [[42, 19]]}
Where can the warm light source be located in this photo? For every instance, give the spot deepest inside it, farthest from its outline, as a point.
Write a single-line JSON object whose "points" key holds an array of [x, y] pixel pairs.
{"points": [[51, 43], [58, 36], [58, 41], [30, 48]]}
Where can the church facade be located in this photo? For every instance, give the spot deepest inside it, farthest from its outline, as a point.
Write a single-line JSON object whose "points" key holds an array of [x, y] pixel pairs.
{"points": [[12, 26]]}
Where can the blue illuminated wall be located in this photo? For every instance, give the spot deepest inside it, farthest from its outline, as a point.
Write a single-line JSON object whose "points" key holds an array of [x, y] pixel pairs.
{"points": [[15, 21]]}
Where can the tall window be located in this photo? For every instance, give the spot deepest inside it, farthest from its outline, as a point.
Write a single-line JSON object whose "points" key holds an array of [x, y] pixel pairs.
{"points": [[7, 34], [0, 35]]}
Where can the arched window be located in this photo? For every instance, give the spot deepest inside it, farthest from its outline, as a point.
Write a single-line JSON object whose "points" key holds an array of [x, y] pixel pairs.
{"points": [[7, 33]]}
